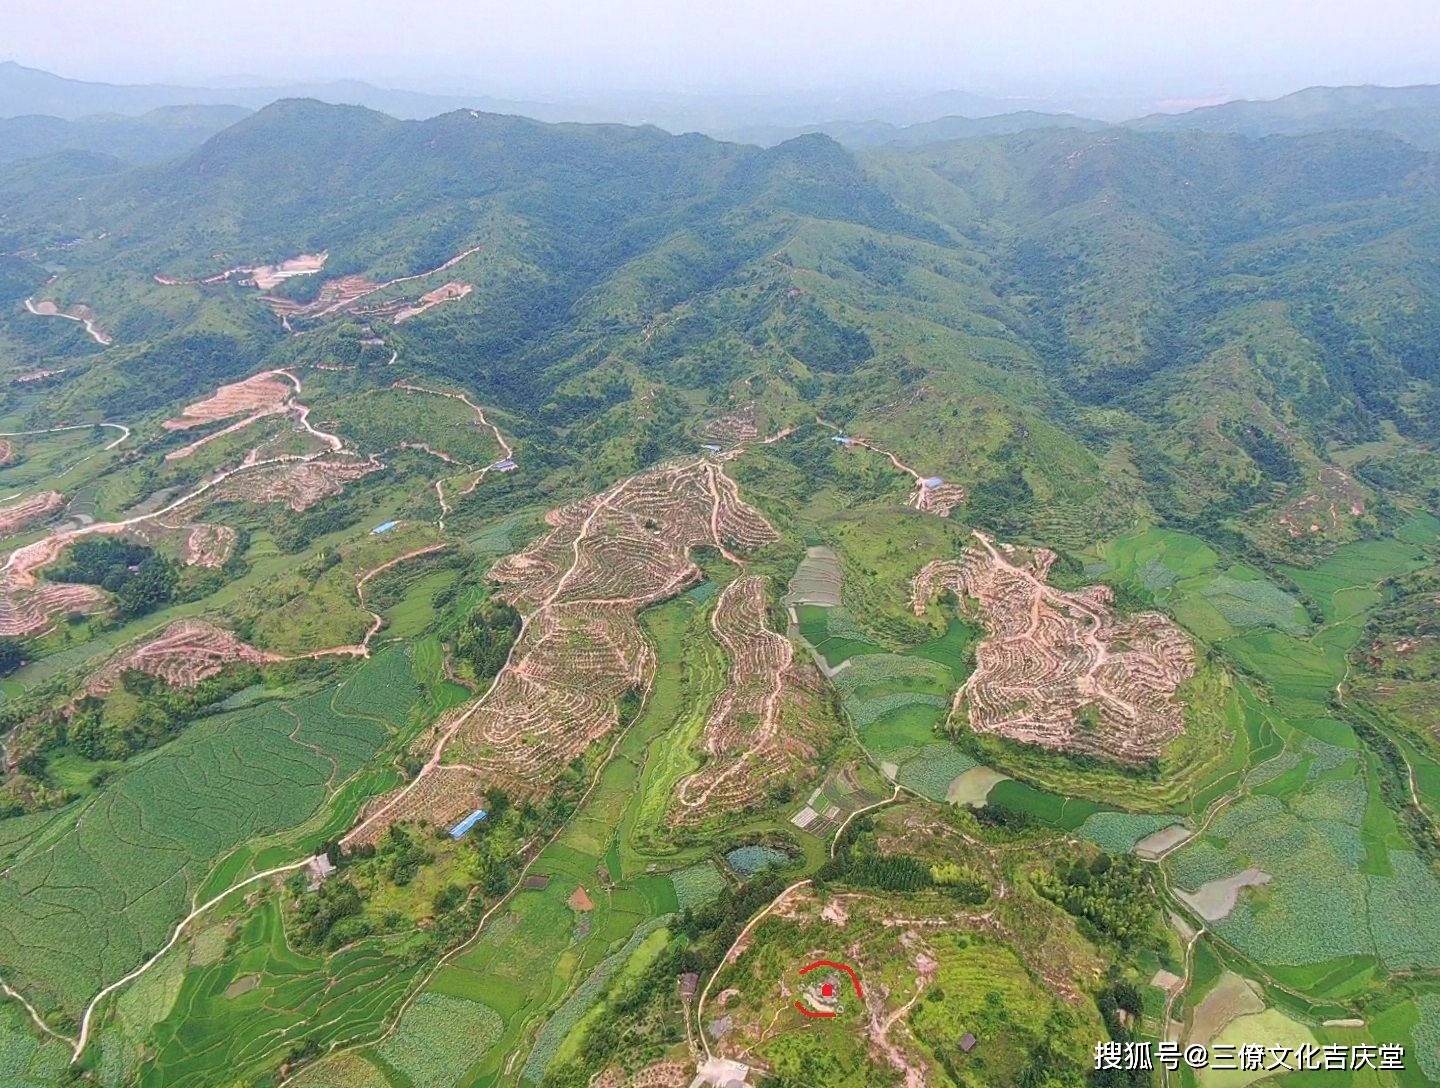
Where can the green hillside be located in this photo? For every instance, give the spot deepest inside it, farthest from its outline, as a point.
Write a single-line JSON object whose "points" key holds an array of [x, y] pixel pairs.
{"points": [[1200, 366]]}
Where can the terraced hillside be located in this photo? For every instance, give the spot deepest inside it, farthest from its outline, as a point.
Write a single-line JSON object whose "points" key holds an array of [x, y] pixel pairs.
{"points": [[487, 603]]}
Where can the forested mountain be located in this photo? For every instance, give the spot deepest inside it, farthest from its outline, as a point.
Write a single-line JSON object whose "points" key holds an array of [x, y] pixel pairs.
{"points": [[867, 134], [160, 134], [28, 91], [1411, 113], [1104, 275]]}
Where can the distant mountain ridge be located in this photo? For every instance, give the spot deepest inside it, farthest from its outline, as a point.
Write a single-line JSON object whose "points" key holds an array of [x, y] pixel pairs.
{"points": [[858, 121], [33, 91], [1411, 113], [866, 134], [160, 134]]}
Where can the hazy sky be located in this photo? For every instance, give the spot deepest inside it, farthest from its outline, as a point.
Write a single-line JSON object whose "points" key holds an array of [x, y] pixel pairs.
{"points": [[1161, 48]]}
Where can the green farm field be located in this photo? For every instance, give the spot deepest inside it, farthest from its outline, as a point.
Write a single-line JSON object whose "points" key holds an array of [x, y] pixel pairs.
{"points": [[108, 880]]}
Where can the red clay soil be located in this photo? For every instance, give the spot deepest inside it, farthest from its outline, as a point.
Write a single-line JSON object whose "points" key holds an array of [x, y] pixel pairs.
{"points": [[184, 654], [428, 301], [29, 510], [26, 612], [272, 275], [209, 545], [7, 451], [1058, 669], [29, 606], [341, 295], [260, 392], [578, 589], [580, 900]]}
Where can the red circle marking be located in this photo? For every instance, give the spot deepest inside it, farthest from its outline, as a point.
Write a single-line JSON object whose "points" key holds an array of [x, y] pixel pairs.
{"points": [[854, 978]]}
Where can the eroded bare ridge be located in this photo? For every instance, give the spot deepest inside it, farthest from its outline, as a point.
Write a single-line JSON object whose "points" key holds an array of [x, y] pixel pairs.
{"points": [[29, 606], [266, 391], [1061, 670], [184, 654], [299, 484], [580, 649], [29, 510], [744, 742]]}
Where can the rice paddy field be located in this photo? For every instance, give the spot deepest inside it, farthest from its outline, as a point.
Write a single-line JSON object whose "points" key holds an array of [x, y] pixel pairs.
{"points": [[262, 1000], [96, 890], [896, 702]]}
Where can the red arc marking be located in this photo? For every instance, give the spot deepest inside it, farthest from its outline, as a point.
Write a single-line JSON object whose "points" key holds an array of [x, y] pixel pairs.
{"points": [[811, 1012], [854, 978]]}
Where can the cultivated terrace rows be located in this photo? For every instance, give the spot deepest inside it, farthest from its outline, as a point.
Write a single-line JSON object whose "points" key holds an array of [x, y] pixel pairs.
{"points": [[29, 510], [1061, 670], [580, 650], [743, 741], [184, 654]]}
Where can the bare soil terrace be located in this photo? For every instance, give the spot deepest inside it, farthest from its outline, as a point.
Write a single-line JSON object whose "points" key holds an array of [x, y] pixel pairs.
{"points": [[29, 510], [1058, 669], [184, 654], [580, 648], [745, 746]]}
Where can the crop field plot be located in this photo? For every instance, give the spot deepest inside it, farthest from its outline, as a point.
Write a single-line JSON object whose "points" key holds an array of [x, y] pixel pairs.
{"points": [[1275, 849], [568, 1020], [346, 1070], [590, 903], [1255, 602], [817, 579], [1062, 670], [696, 885], [832, 633], [84, 906], [438, 1038], [849, 787], [1055, 810], [1118, 832], [53, 461], [26, 1061], [239, 1016]]}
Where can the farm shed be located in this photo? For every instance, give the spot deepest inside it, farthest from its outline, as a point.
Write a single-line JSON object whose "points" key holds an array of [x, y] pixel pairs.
{"points": [[466, 824]]}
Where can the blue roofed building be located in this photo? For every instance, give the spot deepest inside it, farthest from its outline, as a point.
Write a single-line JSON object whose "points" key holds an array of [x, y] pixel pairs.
{"points": [[466, 824]]}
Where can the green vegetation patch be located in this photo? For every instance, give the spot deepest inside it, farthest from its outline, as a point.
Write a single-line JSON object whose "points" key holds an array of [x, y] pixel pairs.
{"points": [[697, 884], [1066, 813], [26, 1061], [751, 859], [1255, 602], [930, 770], [107, 892], [1118, 832], [585, 997], [439, 1037]]}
